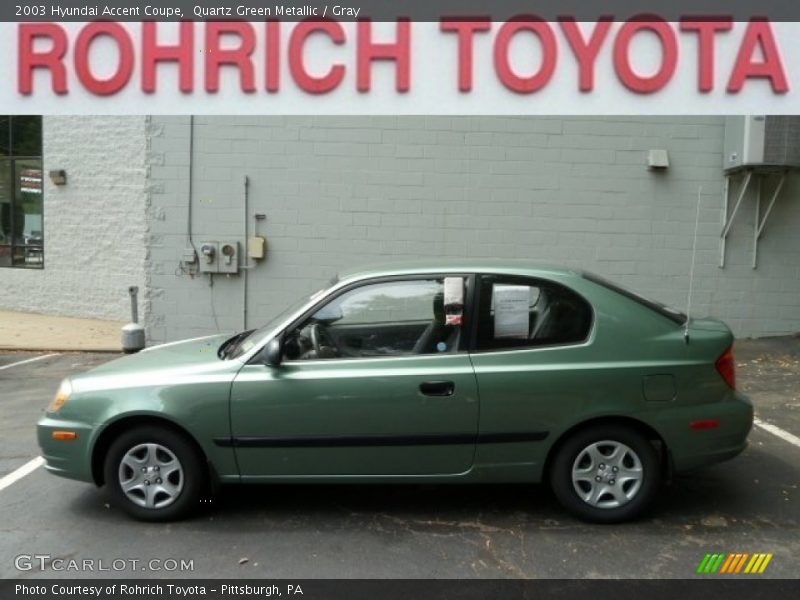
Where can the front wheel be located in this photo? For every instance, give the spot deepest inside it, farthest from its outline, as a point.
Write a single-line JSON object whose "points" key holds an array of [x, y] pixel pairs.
{"points": [[606, 474], [154, 474]]}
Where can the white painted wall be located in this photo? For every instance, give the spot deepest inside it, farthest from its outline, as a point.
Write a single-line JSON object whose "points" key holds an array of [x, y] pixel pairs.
{"points": [[344, 191], [94, 227]]}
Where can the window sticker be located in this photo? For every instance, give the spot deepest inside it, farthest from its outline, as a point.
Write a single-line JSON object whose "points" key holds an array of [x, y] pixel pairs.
{"points": [[511, 311], [453, 300], [30, 181]]}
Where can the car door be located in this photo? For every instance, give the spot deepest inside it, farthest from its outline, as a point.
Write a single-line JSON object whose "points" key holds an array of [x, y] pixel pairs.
{"points": [[531, 357], [372, 382]]}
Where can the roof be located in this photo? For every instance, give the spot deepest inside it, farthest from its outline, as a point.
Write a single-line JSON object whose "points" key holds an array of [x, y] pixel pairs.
{"points": [[459, 265]]}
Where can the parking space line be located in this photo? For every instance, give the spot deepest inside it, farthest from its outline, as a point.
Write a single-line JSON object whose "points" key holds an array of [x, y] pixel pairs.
{"points": [[27, 360], [778, 432], [27, 468]]}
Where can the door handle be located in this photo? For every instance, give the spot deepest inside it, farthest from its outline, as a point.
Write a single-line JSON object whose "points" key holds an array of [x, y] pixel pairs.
{"points": [[437, 388]]}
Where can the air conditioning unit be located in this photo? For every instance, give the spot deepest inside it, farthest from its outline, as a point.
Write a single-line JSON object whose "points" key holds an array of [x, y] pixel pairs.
{"points": [[762, 141]]}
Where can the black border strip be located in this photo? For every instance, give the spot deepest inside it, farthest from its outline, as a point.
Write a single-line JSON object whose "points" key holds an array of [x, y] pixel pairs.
{"points": [[415, 10], [358, 441], [721, 588]]}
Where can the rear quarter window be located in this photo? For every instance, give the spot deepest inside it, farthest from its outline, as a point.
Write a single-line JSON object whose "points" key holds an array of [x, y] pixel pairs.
{"points": [[522, 312], [665, 311]]}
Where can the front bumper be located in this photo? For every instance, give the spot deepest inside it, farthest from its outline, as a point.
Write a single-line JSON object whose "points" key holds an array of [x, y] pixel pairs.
{"points": [[66, 458]]}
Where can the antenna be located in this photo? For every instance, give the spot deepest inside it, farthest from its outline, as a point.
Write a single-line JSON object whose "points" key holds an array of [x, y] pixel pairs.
{"points": [[691, 268]]}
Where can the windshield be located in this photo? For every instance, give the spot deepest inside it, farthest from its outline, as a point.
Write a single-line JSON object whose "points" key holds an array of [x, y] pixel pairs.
{"points": [[670, 313], [255, 338]]}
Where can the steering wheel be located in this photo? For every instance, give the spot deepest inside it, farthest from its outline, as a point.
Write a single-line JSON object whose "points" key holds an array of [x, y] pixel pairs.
{"points": [[318, 335]]}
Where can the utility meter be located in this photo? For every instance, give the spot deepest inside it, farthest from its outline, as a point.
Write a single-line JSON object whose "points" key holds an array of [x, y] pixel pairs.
{"points": [[228, 257], [208, 257], [209, 252], [219, 257]]}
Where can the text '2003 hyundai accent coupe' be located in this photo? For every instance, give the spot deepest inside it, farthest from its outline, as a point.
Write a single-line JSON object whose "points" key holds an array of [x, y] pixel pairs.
{"points": [[418, 373]]}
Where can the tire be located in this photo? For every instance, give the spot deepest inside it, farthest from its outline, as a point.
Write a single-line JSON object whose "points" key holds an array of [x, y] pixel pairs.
{"points": [[605, 451], [175, 479]]}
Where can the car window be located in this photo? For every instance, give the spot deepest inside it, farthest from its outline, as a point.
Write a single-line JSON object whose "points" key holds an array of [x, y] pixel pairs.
{"points": [[393, 318], [517, 312], [250, 340]]}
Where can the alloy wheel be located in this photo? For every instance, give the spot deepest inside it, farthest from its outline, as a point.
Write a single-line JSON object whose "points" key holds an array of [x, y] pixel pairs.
{"points": [[607, 474], [151, 476]]}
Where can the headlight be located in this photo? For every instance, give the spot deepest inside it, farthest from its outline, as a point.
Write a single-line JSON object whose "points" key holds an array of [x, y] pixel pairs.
{"points": [[62, 395]]}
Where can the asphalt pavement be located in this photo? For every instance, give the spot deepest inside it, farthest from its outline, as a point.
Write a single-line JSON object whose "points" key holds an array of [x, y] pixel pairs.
{"points": [[750, 504]]}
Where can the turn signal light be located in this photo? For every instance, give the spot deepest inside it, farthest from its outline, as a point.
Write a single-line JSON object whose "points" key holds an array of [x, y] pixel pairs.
{"points": [[65, 435], [726, 365]]}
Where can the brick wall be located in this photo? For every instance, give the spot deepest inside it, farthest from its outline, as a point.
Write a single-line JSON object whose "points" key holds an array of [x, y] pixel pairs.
{"points": [[94, 227], [347, 191]]}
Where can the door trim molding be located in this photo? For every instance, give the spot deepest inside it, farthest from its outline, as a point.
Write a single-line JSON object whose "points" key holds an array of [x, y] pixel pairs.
{"points": [[354, 441]]}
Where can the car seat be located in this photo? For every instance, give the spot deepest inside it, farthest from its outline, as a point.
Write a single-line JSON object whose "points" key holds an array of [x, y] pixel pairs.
{"points": [[437, 331]]}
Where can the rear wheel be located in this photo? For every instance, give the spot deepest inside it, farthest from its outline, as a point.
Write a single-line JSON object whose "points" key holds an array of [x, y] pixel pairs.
{"points": [[155, 474], [606, 473]]}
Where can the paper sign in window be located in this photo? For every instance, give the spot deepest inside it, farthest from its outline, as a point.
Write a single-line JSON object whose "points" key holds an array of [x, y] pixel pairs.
{"points": [[453, 300], [511, 311]]}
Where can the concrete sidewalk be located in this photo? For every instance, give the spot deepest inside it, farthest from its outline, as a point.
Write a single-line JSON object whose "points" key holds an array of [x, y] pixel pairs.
{"points": [[28, 331]]}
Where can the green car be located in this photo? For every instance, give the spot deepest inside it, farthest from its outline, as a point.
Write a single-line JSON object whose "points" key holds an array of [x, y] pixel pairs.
{"points": [[443, 373]]}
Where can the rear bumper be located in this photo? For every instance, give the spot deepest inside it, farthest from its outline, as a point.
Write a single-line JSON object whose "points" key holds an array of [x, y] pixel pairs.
{"points": [[692, 448], [704, 459], [66, 458]]}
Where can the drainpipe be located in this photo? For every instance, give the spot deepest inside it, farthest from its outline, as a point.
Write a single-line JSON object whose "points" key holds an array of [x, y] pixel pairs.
{"points": [[245, 251]]}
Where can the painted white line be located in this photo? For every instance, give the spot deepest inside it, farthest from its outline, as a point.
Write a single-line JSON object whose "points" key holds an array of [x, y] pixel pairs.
{"points": [[778, 432], [26, 361], [27, 468]]}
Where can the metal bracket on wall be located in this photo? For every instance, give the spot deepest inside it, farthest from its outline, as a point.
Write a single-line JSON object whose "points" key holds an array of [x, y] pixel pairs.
{"points": [[759, 221]]}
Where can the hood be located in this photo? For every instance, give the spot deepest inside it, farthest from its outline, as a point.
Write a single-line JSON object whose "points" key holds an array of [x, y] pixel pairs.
{"points": [[172, 356]]}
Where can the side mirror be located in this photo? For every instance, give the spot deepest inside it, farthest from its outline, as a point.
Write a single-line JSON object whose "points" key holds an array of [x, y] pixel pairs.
{"points": [[273, 352], [330, 313]]}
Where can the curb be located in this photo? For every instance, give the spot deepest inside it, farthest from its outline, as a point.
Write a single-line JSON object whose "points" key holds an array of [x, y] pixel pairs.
{"points": [[62, 350]]}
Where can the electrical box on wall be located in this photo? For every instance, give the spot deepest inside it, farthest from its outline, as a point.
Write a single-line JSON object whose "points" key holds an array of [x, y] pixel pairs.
{"points": [[228, 257], [208, 257], [219, 257], [257, 247], [189, 256]]}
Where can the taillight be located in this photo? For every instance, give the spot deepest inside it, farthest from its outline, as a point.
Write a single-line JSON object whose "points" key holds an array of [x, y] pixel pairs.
{"points": [[726, 365]]}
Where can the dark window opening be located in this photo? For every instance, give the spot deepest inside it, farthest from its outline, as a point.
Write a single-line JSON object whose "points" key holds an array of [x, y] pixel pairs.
{"points": [[394, 318], [518, 312], [21, 192]]}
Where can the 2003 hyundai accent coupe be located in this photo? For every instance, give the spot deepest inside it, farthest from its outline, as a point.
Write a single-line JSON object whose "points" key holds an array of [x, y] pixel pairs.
{"points": [[473, 372]]}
